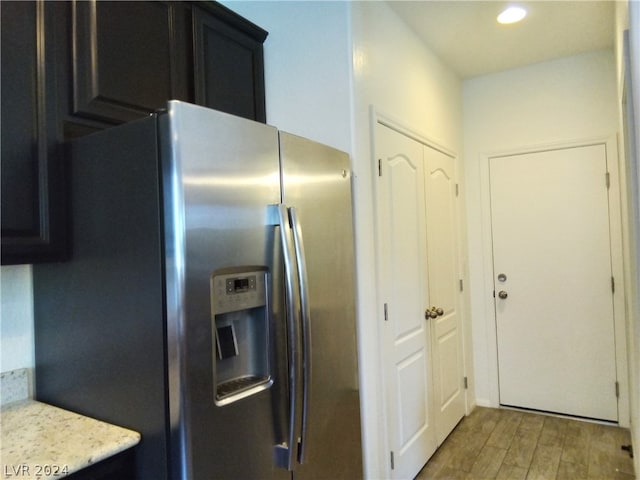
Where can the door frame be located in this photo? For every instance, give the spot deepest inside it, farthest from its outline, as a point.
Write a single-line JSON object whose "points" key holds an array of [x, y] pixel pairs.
{"points": [[615, 232], [377, 116]]}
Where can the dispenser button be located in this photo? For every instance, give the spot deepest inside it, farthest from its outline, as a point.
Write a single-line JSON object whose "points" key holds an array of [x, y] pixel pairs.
{"points": [[226, 342]]}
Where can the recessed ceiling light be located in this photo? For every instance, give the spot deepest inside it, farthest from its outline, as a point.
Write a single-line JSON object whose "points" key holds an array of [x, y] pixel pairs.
{"points": [[512, 15]]}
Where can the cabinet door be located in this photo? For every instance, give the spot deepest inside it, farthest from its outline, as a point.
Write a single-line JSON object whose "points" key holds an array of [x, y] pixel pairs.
{"points": [[228, 62], [124, 58], [33, 226]]}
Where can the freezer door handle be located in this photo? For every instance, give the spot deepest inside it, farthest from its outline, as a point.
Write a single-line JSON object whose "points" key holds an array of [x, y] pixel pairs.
{"points": [[305, 312], [284, 453]]}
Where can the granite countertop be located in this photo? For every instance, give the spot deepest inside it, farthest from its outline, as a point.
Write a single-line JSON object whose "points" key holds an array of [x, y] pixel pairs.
{"points": [[40, 441]]}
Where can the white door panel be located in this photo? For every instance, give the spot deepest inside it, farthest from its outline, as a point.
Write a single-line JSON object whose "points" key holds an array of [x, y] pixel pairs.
{"points": [[444, 290], [405, 338], [417, 242], [412, 388], [447, 339], [555, 328]]}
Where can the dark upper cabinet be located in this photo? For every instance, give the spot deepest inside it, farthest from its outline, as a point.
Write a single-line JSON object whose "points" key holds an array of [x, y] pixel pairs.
{"points": [[33, 195], [228, 63], [71, 68], [129, 58], [125, 58]]}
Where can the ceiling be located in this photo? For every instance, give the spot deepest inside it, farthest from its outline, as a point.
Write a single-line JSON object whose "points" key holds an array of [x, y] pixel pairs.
{"points": [[465, 35]]}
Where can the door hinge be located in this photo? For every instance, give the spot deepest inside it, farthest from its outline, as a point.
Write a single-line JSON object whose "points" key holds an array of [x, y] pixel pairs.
{"points": [[461, 285], [613, 285], [379, 167], [386, 312], [607, 179], [393, 464], [457, 189], [466, 383], [617, 389]]}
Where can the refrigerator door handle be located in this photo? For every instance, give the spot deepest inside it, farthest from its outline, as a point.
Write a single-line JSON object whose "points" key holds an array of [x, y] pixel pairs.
{"points": [[305, 326], [284, 456]]}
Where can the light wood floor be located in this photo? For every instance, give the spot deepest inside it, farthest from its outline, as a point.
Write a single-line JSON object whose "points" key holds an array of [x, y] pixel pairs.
{"points": [[507, 444]]}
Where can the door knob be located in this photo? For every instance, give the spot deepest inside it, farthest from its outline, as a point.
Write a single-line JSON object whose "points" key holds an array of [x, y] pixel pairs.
{"points": [[433, 312], [502, 294]]}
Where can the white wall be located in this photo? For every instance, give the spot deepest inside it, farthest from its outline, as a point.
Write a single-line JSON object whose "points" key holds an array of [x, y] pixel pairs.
{"points": [[16, 318], [628, 16], [634, 41], [394, 72], [307, 66], [557, 101], [629, 211]]}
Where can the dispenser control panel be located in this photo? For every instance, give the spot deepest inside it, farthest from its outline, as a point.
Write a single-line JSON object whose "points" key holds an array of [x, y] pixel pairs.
{"points": [[241, 284], [238, 290]]}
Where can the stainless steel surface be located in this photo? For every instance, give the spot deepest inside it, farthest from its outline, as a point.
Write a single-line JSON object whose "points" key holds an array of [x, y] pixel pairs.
{"points": [[232, 201], [305, 312], [222, 292], [174, 290], [317, 182], [217, 186], [502, 294], [285, 452]]}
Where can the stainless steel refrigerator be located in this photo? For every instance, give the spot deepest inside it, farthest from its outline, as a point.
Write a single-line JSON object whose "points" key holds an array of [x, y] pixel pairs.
{"points": [[209, 303]]}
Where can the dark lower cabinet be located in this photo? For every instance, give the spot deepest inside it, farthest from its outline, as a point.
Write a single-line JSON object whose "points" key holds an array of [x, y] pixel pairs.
{"points": [[70, 68], [118, 467]]}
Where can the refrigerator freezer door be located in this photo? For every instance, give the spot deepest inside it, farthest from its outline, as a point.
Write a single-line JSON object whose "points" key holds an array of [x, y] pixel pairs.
{"points": [[317, 184], [220, 174]]}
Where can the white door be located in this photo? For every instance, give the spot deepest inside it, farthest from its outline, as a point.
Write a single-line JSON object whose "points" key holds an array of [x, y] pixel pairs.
{"points": [[553, 281], [401, 238], [444, 289]]}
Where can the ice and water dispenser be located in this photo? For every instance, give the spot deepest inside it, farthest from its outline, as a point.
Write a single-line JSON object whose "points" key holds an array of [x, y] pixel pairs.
{"points": [[240, 316]]}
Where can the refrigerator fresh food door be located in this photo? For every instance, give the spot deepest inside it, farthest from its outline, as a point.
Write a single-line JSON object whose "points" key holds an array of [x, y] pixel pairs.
{"points": [[226, 340], [317, 190]]}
